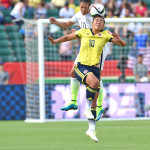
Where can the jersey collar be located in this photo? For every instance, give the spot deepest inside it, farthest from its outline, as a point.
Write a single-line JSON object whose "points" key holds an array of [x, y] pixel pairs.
{"points": [[92, 31]]}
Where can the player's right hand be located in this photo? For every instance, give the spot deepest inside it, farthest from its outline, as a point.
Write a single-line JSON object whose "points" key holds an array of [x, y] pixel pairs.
{"points": [[52, 20], [51, 40]]}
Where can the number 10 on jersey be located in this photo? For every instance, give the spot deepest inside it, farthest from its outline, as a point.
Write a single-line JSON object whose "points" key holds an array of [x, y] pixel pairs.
{"points": [[91, 43]]}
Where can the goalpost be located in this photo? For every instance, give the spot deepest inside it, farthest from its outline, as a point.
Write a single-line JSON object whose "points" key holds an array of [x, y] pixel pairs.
{"points": [[45, 66]]}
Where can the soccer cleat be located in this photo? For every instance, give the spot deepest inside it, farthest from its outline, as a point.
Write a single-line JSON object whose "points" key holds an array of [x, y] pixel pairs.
{"points": [[92, 135], [99, 112], [71, 106], [88, 114]]}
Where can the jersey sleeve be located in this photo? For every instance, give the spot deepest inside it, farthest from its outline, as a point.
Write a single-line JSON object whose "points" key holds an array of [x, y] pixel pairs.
{"points": [[109, 36], [79, 33]]}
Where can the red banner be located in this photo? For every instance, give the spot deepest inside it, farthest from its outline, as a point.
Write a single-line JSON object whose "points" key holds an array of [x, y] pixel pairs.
{"points": [[17, 70]]}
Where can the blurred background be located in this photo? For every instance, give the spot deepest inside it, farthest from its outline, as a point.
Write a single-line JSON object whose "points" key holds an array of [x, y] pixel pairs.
{"points": [[126, 87]]}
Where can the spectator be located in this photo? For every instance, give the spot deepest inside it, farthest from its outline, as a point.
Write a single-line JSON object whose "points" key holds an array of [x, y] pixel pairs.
{"points": [[125, 5], [141, 10], [66, 12], [140, 70], [4, 76], [58, 3], [41, 11], [5, 4], [72, 5], [19, 11], [140, 42], [111, 26], [140, 39], [112, 5], [65, 49], [34, 3]]}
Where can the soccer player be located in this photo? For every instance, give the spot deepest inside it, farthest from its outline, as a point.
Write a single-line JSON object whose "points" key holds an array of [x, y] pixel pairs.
{"points": [[87, 68], [84, 19]]}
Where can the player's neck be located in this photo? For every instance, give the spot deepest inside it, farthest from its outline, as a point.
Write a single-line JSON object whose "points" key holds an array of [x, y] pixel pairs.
{"points": [[95, 31]]}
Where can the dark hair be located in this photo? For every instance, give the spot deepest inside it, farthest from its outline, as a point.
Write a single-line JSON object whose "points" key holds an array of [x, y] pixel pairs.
{"points": [[67, 3], [42, 4], [127, 5], [85, 1], [98, 16], [111, 10], [143, 3], [140, 55]]}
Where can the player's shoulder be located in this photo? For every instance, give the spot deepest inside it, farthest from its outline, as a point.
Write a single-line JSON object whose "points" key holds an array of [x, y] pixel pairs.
{"points": [[106, 31], [78, 14], [83, 31]]}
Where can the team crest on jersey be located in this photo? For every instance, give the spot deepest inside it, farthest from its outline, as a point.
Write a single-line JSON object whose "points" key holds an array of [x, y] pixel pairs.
{"points": [[109, 32], [87, 20], [85, 71], [99, 34]]}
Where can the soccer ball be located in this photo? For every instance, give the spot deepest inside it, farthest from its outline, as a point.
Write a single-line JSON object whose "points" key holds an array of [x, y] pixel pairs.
{"points": [[97, 9]]}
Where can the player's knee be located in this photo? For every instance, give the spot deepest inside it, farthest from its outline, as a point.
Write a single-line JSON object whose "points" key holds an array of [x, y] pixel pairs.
{"points": [[95, 84]]}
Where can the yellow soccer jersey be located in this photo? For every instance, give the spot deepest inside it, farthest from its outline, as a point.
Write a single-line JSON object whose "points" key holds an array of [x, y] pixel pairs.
{"points": [[92, 45]]}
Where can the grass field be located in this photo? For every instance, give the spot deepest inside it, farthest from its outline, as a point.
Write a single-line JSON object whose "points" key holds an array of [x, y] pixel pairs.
{"points": [[113, 135]]}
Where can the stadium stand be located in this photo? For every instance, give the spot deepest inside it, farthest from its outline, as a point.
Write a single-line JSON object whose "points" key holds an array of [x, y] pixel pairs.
{"points": [[12, 46], [53, 13]]}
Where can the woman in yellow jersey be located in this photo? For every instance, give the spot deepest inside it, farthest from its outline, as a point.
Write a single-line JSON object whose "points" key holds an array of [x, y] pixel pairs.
{"points": [[87, 69]]}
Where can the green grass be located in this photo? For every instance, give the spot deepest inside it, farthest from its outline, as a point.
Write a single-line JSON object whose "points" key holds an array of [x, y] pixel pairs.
{"points": [[113, 135]]}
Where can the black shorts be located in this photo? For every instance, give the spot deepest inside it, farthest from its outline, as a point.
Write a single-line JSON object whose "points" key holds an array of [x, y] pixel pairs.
{"points": [[81, 71]]}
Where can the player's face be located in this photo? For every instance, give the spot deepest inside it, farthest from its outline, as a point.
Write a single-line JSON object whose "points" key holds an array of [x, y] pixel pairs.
{"points": [[84, 7], [98, 23]]}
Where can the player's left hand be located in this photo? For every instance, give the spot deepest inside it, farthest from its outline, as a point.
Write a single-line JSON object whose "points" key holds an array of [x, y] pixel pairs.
{"points": [[116, 36], [51, 40]]}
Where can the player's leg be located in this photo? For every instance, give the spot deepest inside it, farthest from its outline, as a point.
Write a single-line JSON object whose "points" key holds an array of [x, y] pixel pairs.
{"points": [[100, 110], [91, 90], [74, 85], [92, 122], [89, 77], [85, 75]]}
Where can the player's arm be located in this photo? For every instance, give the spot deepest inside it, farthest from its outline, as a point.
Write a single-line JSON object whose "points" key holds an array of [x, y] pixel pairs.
{"points": [[117, 40], [65, 38], [64, 25]]}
